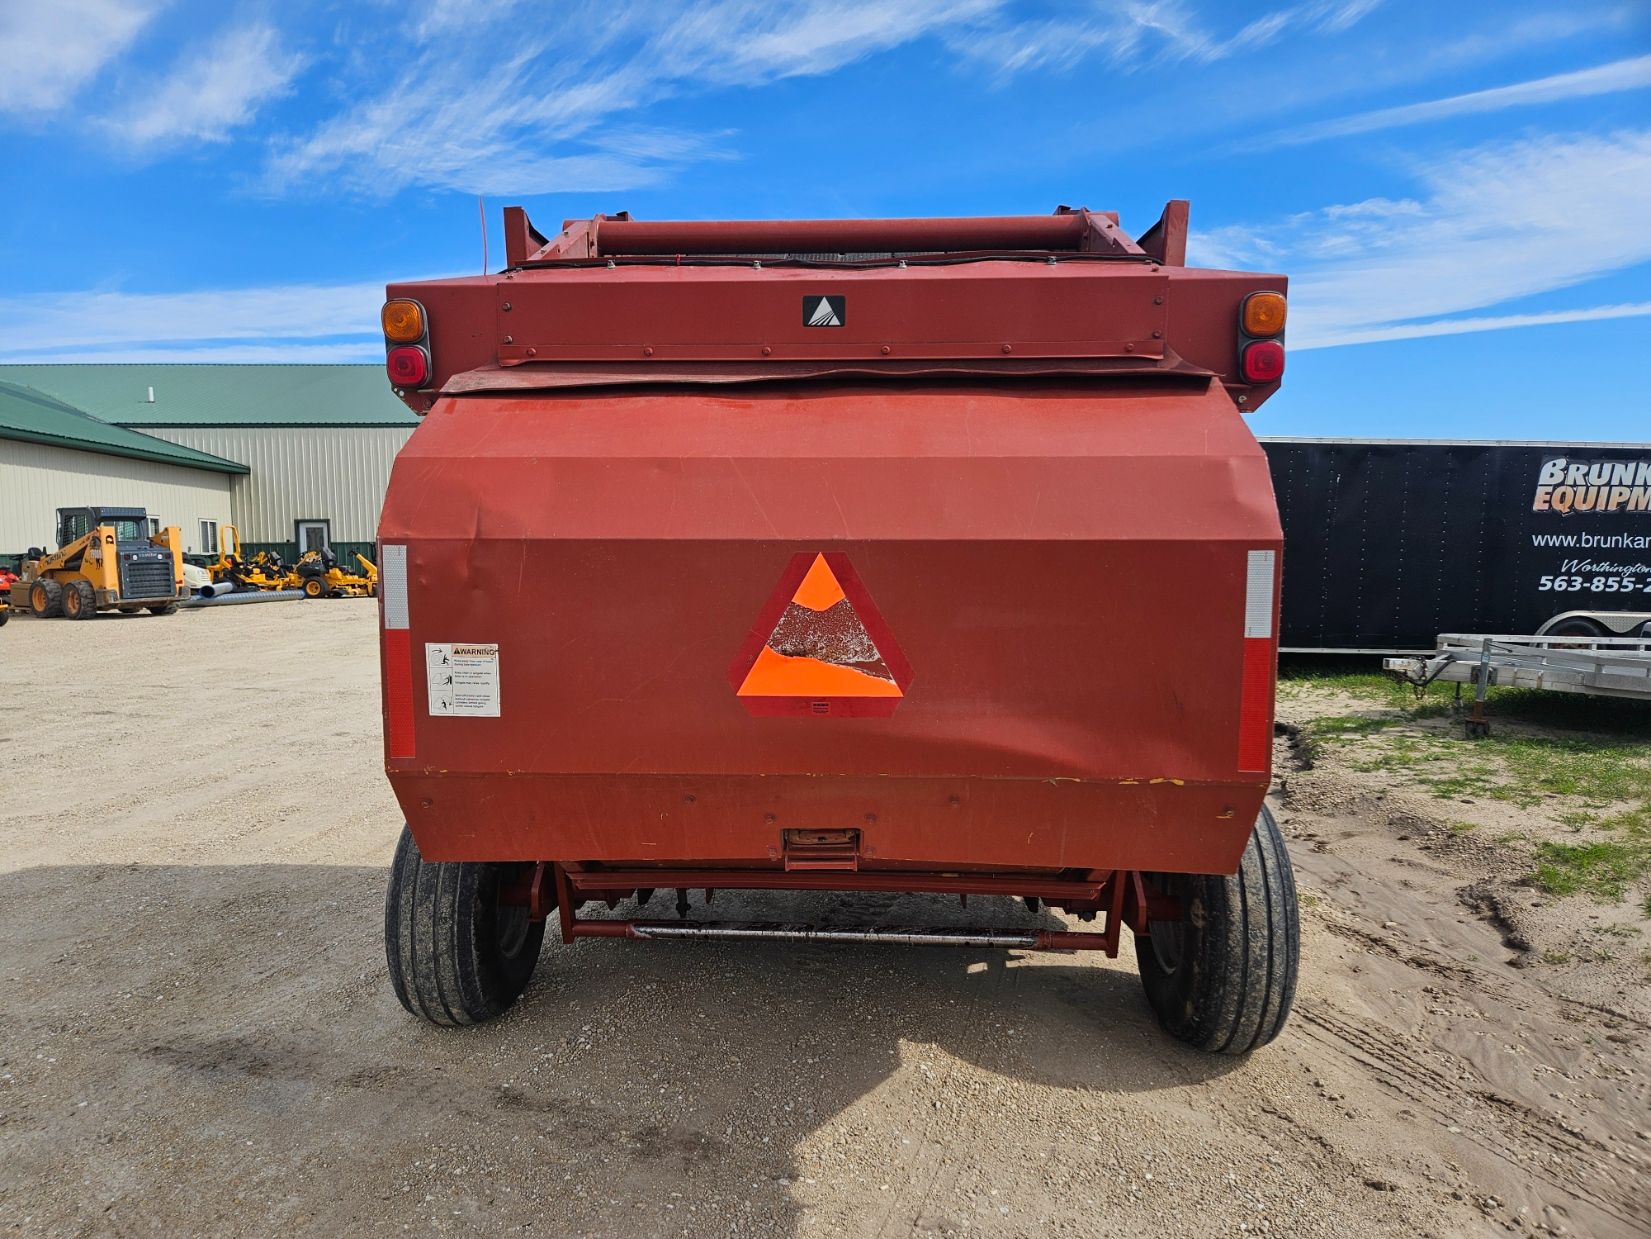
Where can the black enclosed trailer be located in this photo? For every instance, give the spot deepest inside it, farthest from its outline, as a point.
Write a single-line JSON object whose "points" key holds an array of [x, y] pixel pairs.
{"points": [[1388, 544]]}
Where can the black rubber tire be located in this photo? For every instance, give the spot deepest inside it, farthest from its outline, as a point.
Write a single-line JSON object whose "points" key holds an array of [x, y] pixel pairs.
{"points": [[79, 600], [5, 614], [1223, 979], [456, 955], [165, 608], [314, 587], [46, 598], [1577, 626]]}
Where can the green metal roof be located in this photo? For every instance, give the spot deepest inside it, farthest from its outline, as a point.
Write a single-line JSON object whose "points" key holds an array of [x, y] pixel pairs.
{"points": [[35, 417], [222, 395]]}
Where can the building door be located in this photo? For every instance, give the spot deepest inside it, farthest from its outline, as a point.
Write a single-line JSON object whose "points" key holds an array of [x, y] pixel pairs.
{"points": [[314, 536]]}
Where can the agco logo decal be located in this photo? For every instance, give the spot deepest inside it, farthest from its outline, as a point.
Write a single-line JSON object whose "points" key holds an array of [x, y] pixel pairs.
{"points": [[825, 311]]}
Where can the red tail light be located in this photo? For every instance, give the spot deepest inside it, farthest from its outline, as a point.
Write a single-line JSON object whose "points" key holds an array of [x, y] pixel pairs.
{"points": [[409, 366], [1261, 361]]}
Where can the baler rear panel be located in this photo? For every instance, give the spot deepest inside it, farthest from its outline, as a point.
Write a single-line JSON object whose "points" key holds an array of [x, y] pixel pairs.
{"points": [[1065, 568]]}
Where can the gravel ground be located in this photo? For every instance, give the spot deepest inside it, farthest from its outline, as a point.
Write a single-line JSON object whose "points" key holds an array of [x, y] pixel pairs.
{"points": [[197, 1035]]}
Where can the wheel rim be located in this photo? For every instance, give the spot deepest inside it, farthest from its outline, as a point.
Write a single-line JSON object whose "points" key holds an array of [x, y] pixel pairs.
{"points": [[1169, 943], [37, 597], [511, 926], [1168, 939]]}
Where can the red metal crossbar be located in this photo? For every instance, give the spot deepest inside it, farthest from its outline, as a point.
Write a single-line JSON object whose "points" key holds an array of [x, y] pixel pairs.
{"points": [[1123, 896]]}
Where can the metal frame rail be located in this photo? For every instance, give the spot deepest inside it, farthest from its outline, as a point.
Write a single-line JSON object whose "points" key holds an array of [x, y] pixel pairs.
{"points": [[1599, 666]]}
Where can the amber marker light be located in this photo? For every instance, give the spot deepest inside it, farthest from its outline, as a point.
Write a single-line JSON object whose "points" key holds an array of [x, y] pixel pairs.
{"points": [[403, 321], [1263, 314]]}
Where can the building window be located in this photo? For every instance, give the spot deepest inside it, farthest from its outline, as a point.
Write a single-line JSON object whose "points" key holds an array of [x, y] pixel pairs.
{"points": [[209, 537], [314, 536]]}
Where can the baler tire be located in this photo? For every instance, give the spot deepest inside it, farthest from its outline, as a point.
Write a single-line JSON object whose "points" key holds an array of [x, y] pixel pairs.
{"points": [[79, 600], [1230, 978], [451, 961], [46, 598]]}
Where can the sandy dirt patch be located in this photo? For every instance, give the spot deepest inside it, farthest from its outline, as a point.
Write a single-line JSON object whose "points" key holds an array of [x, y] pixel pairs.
{"points": [[197, 1035]]}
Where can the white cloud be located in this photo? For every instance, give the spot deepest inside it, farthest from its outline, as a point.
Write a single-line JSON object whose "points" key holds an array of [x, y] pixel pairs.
{"points": [[1631, 74], [364, 351], [539, 119], [68, 324], [1488, 322], [209, 91], [49, 49], [438, 18], [1131, 33], [1492, 226]]}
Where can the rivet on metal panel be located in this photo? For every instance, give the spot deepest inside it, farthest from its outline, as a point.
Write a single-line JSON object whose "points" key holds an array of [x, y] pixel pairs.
{"points": [[689, 799], [1008, 348], [505, 307], [1157, 301], [532, 352], [766, 350], [769, 818], [510, 339], [756, 265], [1157, 335], [424, 804], [953, 801], [647, 352], [885, 350], [1129, 348], [1243, 400]]}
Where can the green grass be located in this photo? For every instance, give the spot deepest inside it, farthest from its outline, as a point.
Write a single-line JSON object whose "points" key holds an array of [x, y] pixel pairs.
{"points": [[1589, 755], [1603, 868], [1363, 678]]}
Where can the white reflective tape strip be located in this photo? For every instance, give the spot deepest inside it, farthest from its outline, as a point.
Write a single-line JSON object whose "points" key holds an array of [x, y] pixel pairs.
{"points": [[392, 582], [1258, 594]]}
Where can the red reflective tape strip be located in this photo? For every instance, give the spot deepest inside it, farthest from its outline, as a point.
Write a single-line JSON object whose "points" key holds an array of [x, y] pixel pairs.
{"points": [[1255, 706], [398, 692]]}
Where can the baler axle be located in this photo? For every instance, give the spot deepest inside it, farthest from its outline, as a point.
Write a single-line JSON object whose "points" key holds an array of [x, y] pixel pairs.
{"points": [[1125, 896], [1019, 939]]}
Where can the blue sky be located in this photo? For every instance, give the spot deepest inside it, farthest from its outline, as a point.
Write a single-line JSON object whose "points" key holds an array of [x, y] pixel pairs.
{"points": [[1460, 193]]}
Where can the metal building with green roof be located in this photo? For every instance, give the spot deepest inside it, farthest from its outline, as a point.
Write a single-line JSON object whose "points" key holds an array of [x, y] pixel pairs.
{"points": [[54, 455], [316, 441]]}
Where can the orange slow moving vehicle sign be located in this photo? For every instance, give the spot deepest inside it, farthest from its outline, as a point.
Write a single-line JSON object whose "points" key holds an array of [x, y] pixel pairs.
{"points": [[820, 647]]}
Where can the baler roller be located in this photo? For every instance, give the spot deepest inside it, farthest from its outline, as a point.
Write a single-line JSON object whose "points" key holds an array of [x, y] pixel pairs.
{"points": [[1067, 231]]}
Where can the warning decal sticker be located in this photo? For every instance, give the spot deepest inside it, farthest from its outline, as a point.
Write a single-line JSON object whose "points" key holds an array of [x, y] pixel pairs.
{"points": [[463, 680], [820, 647]]}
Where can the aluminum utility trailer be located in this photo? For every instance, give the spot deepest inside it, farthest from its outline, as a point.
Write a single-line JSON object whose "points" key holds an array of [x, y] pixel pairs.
{"points": [[799, 555], [1602, 667]]}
